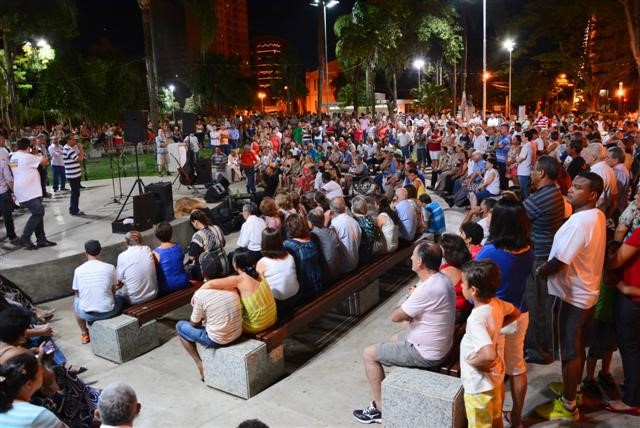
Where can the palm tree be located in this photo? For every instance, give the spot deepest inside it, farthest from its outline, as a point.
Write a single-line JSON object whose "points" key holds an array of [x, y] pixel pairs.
{"points": [[150, 62]]}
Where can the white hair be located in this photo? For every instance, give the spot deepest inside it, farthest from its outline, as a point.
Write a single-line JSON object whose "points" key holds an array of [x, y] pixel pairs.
{"points": [[117, 404]]}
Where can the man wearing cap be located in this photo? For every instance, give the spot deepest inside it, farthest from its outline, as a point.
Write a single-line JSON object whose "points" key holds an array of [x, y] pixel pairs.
{"points": [[136, 271], [216, 319], [94, 285], [57, 163]]}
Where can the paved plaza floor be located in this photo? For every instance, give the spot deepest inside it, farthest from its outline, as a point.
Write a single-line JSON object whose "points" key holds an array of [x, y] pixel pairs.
{"points": [[326, 379]]}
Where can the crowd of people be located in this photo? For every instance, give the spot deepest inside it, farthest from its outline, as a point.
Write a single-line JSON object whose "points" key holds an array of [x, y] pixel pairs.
{"points": [[545, 265]]}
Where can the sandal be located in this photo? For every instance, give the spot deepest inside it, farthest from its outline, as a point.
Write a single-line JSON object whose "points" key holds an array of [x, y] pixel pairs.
{"points": [[76, 370], [85, 339], [506, 415], [633, 411]]}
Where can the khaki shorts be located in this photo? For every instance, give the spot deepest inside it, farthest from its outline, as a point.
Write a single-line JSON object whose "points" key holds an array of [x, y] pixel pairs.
{"points": [[403, 354], [162, 158]]}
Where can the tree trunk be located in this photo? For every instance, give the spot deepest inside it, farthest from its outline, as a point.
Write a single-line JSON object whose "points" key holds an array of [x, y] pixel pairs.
{"points": [[356, 91], [466, 50], [366, 88], [321, 36], [394, 95], [631, 18], [454, 91], [150, 61], [11, 80]]}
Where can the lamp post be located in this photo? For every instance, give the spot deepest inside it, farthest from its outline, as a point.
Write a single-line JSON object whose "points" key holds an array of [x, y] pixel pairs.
{"points": [[484, 59], [620, 98], [172, 88], [418, 63], [261, 95], [325, 4], [509, 45]]}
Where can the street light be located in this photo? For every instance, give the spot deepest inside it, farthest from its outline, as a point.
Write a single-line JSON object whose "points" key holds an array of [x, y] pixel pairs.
{"points": [[418, 63], [262, 95], [325, 4], [172, 88], [484, 59], [509, 45], [620, 93]]}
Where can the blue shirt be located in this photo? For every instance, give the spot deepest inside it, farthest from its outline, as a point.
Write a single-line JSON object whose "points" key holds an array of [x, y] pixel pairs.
{"points": [[515, 269], [234, 134], [408, 220], [436, 224], [502, 153], [171, 274]]}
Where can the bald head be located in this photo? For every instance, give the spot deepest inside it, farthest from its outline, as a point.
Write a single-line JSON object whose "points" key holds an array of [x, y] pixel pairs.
{"points": [[401, 194], [133, 237], [337, 205], [593, 153]]}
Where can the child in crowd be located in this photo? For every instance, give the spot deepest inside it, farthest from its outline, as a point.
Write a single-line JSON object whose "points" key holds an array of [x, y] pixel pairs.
{"points": [[432, 217], [481, 365], [473, 234]]}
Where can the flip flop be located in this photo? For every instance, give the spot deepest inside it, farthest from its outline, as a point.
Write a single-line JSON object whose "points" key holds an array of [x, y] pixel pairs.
{"points": [[77, 370], [633, 411], [506, 415]]}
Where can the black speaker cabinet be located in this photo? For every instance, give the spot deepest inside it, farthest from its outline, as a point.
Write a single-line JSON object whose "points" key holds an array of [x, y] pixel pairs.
{"points": [[188, 123], [203, 170], [143, 211], [135, 126], [163, 195]]}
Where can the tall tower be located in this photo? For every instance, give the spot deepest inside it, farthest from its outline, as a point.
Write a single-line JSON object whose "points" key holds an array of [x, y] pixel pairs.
{"points": [[266, 54], [232, 35]]}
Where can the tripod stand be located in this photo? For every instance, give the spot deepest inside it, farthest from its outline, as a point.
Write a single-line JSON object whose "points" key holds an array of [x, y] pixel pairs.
{"points": [[138, 183], [115, 200]]}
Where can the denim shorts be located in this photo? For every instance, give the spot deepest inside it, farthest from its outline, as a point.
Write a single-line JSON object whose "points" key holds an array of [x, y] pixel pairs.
{"points": [[97, 316], [195, 334]]}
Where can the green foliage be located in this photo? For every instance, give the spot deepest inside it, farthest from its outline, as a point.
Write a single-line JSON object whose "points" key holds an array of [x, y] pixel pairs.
{"points": [[431, 97], [166, 101], [346, 95], [218, 85]]}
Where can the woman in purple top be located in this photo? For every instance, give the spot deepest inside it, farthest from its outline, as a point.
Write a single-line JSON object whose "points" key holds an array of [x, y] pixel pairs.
{"points": [[169, 257]]}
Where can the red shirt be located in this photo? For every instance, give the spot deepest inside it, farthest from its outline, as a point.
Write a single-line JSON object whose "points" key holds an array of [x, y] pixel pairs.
{"points": [[631, 272], [462, 304], [248, 159]]}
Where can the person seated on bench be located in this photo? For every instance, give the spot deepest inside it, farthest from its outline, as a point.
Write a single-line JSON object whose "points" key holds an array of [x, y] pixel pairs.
{"points": [[251, 231], [348, 232], [118, 405], [359, 209], [387, 221], [216, 319], [307, 257], [430, 311], [332, 251], [456, 254], [208, 238], [94, 285], [279, 270], [258, 305], [407, 215], [269, 213], [169, 256], [136, 271]]}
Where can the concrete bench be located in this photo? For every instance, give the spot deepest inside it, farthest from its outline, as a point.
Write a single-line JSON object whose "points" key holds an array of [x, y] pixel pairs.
{"points": [[242, 369], [123, 338], [420, 398]]}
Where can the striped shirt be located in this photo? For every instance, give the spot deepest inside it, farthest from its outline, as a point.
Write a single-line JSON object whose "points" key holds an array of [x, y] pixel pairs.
{"points": [[220, 312], [6, 177], [71, 159], [435, 221], [545, 208], [23, 414]]}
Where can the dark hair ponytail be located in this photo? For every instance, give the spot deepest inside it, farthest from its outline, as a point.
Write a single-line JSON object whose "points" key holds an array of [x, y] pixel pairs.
{"points": [[14, 373], [244, 261]]}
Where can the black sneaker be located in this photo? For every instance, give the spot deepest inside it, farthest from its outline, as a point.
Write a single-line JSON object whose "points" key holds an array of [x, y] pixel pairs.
{"points": [[606, 381], [79, 213], [46, 243], [28, 245], [370, 415]]}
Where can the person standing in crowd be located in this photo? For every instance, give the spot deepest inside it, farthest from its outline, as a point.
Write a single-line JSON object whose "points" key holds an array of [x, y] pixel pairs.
{"points": [[573, 273], [248, 162], [502, 153], [28, 192], [594, 155], [429, 309], [6, 203], [162, 152], [545, 209], [72, 154], [525, 160], [56, 153], [509, 246]]}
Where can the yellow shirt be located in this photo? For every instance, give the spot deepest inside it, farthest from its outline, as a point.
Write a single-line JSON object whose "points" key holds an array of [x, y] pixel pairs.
{"points": [[259, 309]]}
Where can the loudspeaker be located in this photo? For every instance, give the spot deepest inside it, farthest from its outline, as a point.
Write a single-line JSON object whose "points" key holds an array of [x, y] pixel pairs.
{"points": [[143, 206], [163, 195], [135, 126], [203, 171], [188, 123], [228, 221], [216, 192]]}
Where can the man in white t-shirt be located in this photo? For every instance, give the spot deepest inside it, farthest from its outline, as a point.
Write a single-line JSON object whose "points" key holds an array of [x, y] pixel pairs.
{"points": [[479, 141], [28, 192], [214, 136], [94, 285], [136, 271], [573, 273], [430, 311], [251, 230], [595, 156], [330, 187], [525, 162]]}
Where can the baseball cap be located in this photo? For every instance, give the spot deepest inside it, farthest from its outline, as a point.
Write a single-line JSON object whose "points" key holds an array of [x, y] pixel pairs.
{"points": [[92, 247]]}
